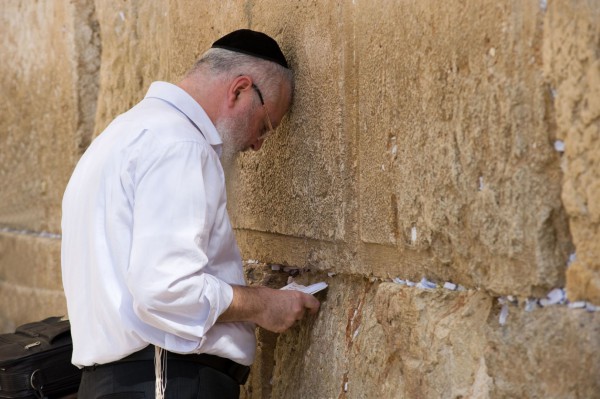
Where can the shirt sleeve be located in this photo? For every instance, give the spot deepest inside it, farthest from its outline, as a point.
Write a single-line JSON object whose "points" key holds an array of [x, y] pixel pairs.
{"points": [[177, 193]]}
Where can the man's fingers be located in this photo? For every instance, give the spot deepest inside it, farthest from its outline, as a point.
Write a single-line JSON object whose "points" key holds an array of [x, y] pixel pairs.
{"points": [[312, 304]]}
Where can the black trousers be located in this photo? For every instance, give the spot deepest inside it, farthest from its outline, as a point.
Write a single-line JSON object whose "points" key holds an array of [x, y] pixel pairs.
{"points": [[136, 380]]}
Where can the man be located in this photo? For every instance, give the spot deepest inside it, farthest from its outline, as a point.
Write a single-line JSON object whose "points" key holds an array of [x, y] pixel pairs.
{"points": [[151, 270]]}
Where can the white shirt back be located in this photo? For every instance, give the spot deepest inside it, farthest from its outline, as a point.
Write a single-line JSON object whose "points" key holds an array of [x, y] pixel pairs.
{"points": [[148, 252]]}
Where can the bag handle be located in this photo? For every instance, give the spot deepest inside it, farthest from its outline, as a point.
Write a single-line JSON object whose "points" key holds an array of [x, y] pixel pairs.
{"points": [[50, 328]]}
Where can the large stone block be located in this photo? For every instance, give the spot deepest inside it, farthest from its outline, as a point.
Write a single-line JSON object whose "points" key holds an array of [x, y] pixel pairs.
{"points": [[24, 304], [297, 185], [195, 26], [572, 64], [146, 41], [436, 156], [546, 353], [30, 279], [456, 161], [382, 340], [30, 261], [48, 104], [136, 50]]}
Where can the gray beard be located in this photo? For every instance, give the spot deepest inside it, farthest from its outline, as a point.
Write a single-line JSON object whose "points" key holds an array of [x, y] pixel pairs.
{"points": [[232, 133]]}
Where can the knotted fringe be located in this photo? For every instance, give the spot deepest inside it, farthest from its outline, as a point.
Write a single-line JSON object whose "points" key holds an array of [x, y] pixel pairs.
{"points": [[160, 372]]}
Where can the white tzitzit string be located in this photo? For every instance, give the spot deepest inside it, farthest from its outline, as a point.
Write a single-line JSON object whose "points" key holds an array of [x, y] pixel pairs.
{"points": [[160, 372]]}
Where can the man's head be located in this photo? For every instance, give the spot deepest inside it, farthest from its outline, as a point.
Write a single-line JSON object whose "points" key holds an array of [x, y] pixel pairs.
{"points": [[250, 88]]}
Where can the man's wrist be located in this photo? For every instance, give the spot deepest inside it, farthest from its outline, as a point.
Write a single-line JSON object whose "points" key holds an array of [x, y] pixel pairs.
{"points": [[246, 304]]}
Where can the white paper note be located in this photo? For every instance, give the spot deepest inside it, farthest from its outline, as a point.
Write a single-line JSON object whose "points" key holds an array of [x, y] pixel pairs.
{"points": [[311, 289]]}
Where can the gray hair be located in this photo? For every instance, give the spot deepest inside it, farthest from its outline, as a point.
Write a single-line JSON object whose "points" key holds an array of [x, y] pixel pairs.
{"points": [[228, 64]]}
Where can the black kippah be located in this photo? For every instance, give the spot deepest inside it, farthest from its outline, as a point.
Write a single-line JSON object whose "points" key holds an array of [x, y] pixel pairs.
{"points": [[256, 44]]}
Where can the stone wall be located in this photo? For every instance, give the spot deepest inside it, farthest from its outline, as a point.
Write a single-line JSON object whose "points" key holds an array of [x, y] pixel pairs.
{"points": [[454, 141], [572, 66], [49, 85]]}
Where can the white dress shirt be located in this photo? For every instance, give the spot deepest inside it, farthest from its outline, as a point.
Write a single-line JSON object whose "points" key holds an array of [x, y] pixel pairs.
{"points": [[148, 252]]}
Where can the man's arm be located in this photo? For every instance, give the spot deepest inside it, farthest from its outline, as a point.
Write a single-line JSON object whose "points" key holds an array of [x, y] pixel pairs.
{"points": [[274, 310]]}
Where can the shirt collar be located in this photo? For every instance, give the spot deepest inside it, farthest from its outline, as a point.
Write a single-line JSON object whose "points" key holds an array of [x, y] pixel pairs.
{"points": [[180, 99]]}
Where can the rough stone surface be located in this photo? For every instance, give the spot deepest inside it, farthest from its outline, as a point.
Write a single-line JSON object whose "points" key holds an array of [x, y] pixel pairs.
{"points": [[297, 184], [572, 64], [49, 99], [456, 157], [135, 51], [36, 260], [30, 279], [48, 103], [422, 142], [562, 364], [374, 340], [434, 158]]}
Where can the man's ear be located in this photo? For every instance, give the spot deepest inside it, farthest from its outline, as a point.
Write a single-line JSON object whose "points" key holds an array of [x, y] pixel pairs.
{"points": [[236, 87]]}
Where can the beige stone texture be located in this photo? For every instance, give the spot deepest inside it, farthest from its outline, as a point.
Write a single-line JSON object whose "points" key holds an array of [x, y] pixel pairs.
{"points": [[35, 260], [146, 41], [297, 185], [49, 86], [30, 280], [374, 340], [420, 144], [48, 101], [456, 161], [572, 64], [406, 131], [134, 52]]}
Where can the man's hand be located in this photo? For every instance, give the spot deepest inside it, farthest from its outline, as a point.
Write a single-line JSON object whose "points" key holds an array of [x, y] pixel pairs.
{"points": [[273, 310]]}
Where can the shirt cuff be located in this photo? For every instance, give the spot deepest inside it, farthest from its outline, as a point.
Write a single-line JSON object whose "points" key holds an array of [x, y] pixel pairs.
{"points": [[226, 293]]}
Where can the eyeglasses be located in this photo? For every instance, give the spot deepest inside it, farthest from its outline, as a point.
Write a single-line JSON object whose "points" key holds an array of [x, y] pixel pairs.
{"points": [[269, 125]]}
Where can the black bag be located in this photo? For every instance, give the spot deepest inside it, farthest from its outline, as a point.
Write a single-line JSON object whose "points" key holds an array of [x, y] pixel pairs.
{"points": [[35, 361]]}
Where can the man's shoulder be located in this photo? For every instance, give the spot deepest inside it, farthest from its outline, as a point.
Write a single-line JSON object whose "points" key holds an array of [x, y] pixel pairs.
{"points": [[166, 122]]}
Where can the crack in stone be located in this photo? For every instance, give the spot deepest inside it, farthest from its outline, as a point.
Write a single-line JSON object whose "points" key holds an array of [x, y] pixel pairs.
{"points": [[30, 233]]}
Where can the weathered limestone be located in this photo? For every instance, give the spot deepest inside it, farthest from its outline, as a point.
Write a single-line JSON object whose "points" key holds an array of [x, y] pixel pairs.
{"points": [[30, 280], [48, 81], [456, 158], [135, 51], [297, 186], [48, 103], [373, 340], [438, 159], [35, 261], [572, 64]]}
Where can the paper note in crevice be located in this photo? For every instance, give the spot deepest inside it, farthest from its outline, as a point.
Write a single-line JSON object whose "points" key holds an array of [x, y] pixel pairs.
{"points": [[311, 289]]}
